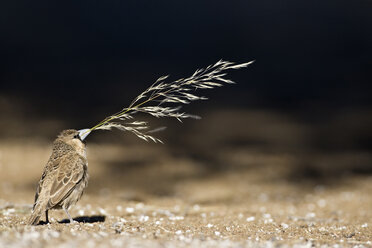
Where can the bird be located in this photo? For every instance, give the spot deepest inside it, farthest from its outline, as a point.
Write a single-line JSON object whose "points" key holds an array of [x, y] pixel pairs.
{"points": [[65, 175]]}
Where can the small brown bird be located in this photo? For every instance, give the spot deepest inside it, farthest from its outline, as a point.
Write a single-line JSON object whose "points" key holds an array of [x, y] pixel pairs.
{"points": [[65, 175]]}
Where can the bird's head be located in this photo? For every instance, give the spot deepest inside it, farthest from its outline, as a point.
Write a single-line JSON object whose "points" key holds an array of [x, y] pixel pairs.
{"points": [[74, 137]]}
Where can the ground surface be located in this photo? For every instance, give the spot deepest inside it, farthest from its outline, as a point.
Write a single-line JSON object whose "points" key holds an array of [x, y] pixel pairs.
{"points": [[222, 193]]}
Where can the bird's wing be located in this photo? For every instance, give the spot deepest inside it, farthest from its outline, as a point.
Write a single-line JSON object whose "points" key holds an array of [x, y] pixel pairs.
{"points": [[39, 186], [71, 170]]}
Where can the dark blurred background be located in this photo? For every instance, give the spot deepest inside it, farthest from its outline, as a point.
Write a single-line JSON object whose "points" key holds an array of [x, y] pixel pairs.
{"points": [[79, 61]]}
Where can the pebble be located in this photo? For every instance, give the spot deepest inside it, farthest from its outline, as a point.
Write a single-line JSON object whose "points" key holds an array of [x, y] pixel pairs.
{"points": [[310, 215], [143, 218], [176, 218], [267, 216], [284, 225], [250, 219], [102, 211], [129, 210]]}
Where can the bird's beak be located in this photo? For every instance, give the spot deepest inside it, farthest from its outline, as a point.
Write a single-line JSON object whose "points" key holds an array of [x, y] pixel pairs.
{"points": [[83, 133]]}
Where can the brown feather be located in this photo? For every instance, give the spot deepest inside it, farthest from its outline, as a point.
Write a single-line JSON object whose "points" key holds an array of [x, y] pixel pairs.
{"points": [[64, 177], [67, 179]]}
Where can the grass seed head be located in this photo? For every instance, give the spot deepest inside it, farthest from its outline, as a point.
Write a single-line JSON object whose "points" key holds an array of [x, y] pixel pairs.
{"points": [[164, 99]]}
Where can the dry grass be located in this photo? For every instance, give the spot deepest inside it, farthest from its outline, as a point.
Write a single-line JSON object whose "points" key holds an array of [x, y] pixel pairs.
{"points": [[158, 100]]}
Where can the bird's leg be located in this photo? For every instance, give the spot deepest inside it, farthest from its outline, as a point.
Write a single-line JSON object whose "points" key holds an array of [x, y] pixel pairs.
{"points": [[69, 216], [46, 217]]}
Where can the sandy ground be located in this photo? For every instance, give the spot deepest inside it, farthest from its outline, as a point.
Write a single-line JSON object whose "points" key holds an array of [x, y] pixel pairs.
{"points": [[219, 191]]}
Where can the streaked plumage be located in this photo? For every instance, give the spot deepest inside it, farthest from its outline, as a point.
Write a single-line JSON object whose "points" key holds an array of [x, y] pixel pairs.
{"points": [[64, 178]]}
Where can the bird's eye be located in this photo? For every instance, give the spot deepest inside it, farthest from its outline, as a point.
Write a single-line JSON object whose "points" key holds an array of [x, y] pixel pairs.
{"points": [[76, 136]]}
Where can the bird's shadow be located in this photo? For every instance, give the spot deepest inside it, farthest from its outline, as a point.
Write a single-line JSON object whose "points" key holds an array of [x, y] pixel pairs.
{"points": [[81, 219]]}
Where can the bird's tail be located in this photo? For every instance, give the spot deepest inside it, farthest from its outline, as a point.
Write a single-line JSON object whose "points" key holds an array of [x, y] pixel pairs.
{"points": [[35, 216]]}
